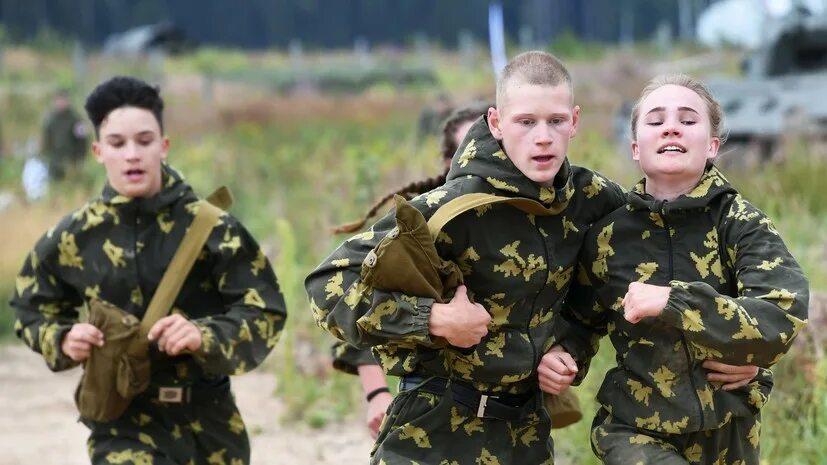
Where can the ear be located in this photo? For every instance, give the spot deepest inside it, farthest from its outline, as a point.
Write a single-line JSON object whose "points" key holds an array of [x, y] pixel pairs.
{"points": [[96, 151], [494, 123], [164, 148], [714, 146], [575, 120], [635, 151]]}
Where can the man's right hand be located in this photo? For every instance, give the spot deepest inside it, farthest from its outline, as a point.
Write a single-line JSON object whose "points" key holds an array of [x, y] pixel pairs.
{"points": [[77, 343], [461, 322]]}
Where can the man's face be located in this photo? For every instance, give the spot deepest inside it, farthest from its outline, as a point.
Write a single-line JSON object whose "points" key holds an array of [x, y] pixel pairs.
{"points": [[131, 149], [535, 124]]}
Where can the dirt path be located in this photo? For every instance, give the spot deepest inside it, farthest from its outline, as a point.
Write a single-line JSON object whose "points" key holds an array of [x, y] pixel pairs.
{"points": [[37, 420]]}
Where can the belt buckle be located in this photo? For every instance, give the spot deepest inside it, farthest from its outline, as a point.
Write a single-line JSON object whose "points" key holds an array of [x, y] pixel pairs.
{"points": [[172, 395], [483, 404]]}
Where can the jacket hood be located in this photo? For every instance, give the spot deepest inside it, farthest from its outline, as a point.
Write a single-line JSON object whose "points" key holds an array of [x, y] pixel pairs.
{"points": [[713, 184], [481, 155], [173, 188]]}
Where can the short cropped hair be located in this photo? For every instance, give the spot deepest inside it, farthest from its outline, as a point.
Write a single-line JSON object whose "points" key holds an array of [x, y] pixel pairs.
{"points": [[123, 91], [533, 67]]}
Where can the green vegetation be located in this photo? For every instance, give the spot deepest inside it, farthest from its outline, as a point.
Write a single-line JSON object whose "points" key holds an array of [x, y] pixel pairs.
{"points": [[300, 164]]}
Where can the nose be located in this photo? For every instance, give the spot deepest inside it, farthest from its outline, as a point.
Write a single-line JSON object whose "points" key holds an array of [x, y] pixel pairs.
{"points": [[131, 151], [542, 134], [671, 128]]}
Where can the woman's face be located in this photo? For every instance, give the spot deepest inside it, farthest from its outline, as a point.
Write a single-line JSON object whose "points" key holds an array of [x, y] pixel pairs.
{"points": [[674, 138], [131, 149]]}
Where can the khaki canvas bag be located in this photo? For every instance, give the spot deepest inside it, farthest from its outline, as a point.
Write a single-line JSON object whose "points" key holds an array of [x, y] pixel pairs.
{"points": [[120, 370], [407, 260]]}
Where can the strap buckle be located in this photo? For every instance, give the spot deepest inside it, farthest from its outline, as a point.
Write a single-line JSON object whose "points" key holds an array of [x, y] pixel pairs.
{"points": [[171, 395], [483, 404]]}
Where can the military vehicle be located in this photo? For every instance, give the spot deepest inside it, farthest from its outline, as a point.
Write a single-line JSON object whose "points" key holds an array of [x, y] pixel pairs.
{"points": [[783, 90]]}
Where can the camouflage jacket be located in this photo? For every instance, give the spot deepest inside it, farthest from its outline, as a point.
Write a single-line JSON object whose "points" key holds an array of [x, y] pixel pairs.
{"points": [[516, 265], [347, 358], [117, 249], [746, 310]]}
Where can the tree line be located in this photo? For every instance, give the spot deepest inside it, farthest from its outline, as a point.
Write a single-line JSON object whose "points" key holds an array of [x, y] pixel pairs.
{"points": [[337, 23]]}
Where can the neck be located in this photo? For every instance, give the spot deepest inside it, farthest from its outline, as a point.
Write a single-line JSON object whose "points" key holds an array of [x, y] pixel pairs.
{"points": [[669, 189]]}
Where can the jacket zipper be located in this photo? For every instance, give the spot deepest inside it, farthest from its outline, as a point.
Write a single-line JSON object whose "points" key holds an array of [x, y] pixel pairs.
{"points": [[536, 297], [683, 337]]}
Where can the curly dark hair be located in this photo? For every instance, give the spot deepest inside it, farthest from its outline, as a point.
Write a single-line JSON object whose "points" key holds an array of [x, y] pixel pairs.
{"points": [[448, 146], [123, 91]]}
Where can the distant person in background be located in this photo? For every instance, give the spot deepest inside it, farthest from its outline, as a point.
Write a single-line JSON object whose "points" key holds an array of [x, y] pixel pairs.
{"points": [[64, 138], [361, 361]]}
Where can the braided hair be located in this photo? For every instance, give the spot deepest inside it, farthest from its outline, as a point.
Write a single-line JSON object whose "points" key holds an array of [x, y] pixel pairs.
{"points": [[448, 146]]}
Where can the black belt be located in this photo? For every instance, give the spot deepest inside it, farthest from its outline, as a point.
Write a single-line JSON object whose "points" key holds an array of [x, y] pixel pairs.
{"points": [[195, 393], [508, 407]]}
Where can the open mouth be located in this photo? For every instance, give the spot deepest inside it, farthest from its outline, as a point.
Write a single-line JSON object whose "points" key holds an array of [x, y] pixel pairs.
{"points": [[134, 174], [543, 158], [673, 148]]}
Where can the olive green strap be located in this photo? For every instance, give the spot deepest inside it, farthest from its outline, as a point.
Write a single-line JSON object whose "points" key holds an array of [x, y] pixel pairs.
{"points": [[466, 202], [188, 251]]}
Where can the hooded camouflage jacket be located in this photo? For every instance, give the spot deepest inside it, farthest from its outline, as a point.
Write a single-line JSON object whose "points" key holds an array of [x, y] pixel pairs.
{"points": [[744, 311], [117, 249], [516, 265]]}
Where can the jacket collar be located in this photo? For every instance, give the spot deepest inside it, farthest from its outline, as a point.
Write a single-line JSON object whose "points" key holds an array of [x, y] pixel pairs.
{"points": [[712, 185]]}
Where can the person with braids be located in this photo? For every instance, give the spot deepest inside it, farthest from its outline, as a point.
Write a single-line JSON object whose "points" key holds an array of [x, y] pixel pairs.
{"points": [[351, 360], [224, 321]]}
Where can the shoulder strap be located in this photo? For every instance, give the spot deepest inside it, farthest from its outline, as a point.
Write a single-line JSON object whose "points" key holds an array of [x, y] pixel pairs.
{"points": [[463, 203], [185, 256]]}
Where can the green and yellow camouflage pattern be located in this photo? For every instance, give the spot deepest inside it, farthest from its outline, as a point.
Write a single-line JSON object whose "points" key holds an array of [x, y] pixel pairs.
{"points": [[518, 266], [117, 249], [737, 296]]}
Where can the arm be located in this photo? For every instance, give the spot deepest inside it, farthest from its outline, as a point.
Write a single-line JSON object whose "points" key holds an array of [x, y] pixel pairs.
{"points": [[239, 339], [357, 314], [584, 321], [759, 325], [45, 305]]}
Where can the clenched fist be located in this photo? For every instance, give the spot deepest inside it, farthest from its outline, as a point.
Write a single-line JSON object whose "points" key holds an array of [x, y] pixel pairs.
{"points": [[461, 322], [175, 335]]}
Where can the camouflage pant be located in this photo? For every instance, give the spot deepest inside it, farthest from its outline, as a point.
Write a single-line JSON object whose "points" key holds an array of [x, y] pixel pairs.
{"points": [[153, 433], [735, 442], [425, 428]]}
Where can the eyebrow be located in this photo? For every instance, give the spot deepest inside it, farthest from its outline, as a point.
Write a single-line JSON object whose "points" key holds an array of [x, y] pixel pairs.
{"points": [[658, 109], [142, 133]]}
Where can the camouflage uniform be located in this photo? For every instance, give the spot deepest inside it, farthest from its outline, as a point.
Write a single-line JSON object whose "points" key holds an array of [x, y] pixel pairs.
{"points": [[658, 406], [117, 249], [64, 141], [347, 358], [516, 265]]}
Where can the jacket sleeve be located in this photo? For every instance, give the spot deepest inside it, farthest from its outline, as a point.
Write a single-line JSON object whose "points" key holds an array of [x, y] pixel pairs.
{"points": [[356, 313], [239, 339], [348, 359], [584, 321], [45, 305], [758, 326]]}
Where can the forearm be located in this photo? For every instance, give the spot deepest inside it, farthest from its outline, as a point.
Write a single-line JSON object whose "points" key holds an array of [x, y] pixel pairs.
{"points": [[740, 331]]}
